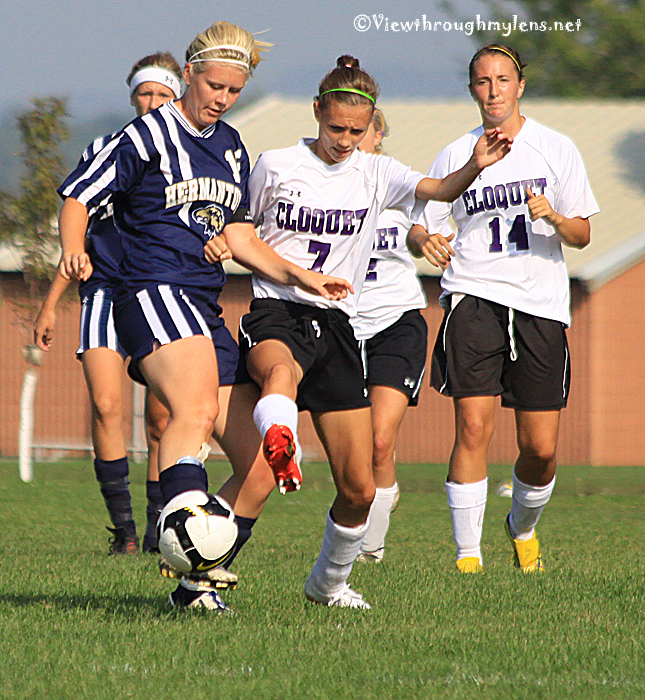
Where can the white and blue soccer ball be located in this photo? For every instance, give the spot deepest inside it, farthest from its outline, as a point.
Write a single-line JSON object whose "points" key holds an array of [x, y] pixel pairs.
{"points": [[197, 532]]}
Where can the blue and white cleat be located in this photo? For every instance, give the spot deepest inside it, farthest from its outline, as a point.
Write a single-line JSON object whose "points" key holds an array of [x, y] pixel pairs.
{"points": [[189, 595]]}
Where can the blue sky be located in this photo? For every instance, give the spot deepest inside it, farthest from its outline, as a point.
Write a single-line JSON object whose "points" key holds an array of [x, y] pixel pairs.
{"points": [[84, 48]]}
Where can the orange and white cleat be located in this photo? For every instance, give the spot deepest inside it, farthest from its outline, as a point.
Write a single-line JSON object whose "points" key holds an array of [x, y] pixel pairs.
{"points": [[282, 454]]}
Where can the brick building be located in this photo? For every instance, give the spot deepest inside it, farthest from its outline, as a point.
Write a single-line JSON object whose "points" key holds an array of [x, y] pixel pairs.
{"points": [[604, 423]]}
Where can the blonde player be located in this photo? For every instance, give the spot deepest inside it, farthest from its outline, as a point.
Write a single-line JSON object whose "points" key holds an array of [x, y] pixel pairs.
{"points": [[393, 338], [153, 80], [317, 204], [506, 300], [178, 178]]}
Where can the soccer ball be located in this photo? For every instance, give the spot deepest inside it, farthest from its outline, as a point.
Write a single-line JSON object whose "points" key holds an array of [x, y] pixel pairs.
{"points": [[196, 531]]}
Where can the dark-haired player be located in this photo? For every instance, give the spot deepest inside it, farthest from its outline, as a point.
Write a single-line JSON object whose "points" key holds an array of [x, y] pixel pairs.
{"points": [[317, 204], [506, 296], [393, 338], [153, 80]]}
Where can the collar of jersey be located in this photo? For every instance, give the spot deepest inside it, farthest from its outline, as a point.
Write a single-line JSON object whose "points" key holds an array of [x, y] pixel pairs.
{"points": [[522, 134], [347, 163], [174, 110]]}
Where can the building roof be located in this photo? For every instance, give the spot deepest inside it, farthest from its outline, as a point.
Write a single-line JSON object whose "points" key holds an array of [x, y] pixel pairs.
{"points": [[609, 134]]}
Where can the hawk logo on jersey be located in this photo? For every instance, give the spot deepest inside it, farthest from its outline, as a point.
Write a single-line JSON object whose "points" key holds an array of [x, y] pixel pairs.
{"points": [[211, 218]]}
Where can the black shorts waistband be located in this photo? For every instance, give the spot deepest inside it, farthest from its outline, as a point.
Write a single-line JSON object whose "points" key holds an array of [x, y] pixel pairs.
{"points": [[296, 310]]}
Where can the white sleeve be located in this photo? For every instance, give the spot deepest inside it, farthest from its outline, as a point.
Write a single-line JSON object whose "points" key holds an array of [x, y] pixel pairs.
{"points": [[399, 182], [574, 197], [435, 215], [259, 190]]}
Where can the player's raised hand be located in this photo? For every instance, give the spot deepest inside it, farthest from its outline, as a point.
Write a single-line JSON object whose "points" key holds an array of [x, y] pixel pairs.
{"points": [[331, 288], [491, 147], [75, 266], [217, 250], [540, 208]]}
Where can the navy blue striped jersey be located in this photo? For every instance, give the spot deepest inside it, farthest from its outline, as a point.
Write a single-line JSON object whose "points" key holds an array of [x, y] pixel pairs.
{"points": [[103, 237], [173, 188]]}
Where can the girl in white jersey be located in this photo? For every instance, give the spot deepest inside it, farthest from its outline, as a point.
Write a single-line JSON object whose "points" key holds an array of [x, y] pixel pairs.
{"points": [[317, 205], [393, 338], [506, 296], [153, 80]]}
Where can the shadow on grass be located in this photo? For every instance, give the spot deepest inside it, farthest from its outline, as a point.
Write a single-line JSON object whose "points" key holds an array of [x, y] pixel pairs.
{"points": [[125, 606]]}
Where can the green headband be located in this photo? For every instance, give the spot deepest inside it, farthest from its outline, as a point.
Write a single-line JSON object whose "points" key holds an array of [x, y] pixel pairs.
{"points": [[354, 90]]}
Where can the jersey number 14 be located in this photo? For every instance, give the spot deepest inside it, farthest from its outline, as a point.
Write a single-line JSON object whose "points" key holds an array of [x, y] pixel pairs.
{"points": [[517, 234]]}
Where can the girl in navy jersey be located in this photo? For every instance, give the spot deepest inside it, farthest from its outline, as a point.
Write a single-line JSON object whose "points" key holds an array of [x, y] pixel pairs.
{"points": [[317, 204], [506, 296], [153, 80], [178, 178]]}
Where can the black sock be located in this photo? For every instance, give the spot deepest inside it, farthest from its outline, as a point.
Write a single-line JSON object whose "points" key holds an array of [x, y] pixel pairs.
{"points": [[113, 479], [244, 525], [155, 499], [154, 507], [183, 476]]}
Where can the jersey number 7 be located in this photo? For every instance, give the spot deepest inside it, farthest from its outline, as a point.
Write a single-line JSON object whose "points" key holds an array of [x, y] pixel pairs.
{"points": [[321, 251]]}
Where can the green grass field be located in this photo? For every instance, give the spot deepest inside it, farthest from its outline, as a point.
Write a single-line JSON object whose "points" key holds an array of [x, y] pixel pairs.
{"points": [[79, 625]]}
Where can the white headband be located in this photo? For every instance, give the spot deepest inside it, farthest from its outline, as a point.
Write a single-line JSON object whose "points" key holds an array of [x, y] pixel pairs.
{"points": [[155, 74], [228, 47]]}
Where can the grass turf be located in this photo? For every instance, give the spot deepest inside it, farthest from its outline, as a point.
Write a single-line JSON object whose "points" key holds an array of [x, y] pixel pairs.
{"points": [[79, 624]]}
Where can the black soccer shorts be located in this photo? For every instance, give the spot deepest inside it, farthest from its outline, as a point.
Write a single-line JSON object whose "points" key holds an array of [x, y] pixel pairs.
{"points": [[486, 349], [396, 357], [321, 341]]}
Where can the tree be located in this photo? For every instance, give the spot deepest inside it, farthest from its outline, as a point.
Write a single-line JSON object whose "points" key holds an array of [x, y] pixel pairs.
{"points": [[28, 221], [602, 57]]}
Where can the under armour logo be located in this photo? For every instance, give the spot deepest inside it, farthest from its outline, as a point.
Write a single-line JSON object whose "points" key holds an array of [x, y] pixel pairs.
{"points": [[409, 383]]}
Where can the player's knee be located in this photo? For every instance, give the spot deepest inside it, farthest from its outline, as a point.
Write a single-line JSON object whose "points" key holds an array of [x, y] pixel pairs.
{"points": [[358, 498], [155, 426], [199, 418], [473, 431], [107, 407], [283, 376], [542, 452], [383, 448]]}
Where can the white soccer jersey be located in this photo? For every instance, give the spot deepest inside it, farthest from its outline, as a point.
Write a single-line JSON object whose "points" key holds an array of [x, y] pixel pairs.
{"points": [[323, 217], [391, 285], [500, 254]]}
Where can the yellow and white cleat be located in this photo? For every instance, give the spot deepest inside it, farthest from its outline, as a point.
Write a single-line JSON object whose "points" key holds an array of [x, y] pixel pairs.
{"points": [[218, 577], [469, 565], [526, 553]]}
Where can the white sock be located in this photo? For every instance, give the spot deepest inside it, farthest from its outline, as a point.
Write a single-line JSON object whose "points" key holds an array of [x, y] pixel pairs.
{"points": [[467, 504], [527, 506], [379, 520], [341, 545], [276, 409]]}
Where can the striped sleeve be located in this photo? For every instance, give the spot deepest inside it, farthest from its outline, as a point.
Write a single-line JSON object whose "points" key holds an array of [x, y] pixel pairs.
{"points": [[114, 168]]}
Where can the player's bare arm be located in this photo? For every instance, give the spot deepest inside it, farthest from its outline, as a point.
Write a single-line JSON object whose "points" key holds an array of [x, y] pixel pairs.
{"points": [[434, 247], [250, 251], [72, 223], [46, 319], [491, 147], [574, 232]]}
